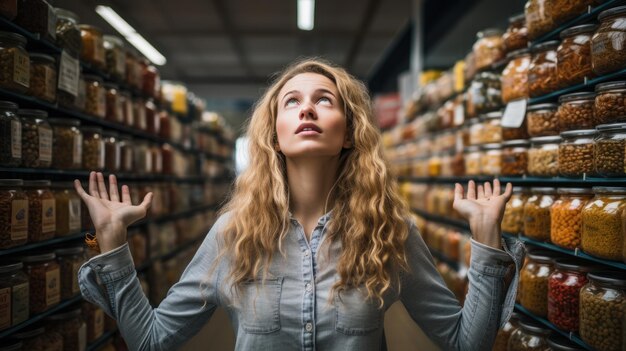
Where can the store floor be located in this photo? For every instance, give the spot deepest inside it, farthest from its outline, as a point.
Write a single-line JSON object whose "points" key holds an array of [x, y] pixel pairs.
{"points": [[402, 333]]}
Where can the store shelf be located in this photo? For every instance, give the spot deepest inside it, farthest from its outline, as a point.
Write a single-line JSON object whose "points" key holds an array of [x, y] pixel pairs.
{"points": [[441, 219], [34, 319], [569, 335], [522, 181], [101, 341]]}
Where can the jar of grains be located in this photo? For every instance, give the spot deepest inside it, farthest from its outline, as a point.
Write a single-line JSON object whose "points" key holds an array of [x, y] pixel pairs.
{"points": [[41, 210], [534, 282], [39, 339], [530, 336], [93, 46], [93, 149], [566, 216], [609, 152], [10, 135], [36, 139], [489, 48], [14, 62], [602, 234], [68, 209], [514, 157], [513, 219], [13, 213], [70, 259], [564, 285], [610, 104], [44, 278], [537, 213], [13, 294], [573, 56], [516, 35], [43, 77], [515, 76], [67, 143], [542, 74], [71, 326], [542, 120], [543, 156], [576, 111], [608, 45]]}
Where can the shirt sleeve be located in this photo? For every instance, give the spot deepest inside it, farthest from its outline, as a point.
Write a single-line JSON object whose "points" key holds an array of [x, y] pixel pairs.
{"points": [[109, 280], [488, 304]]}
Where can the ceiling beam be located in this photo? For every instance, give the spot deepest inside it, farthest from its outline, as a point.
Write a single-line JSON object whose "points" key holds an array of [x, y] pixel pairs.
{"points": [[370, 10], [224, 14]]}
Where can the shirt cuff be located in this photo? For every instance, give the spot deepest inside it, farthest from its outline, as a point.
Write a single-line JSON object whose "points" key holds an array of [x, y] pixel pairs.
{"points": [[113, 265], [489, 260]]}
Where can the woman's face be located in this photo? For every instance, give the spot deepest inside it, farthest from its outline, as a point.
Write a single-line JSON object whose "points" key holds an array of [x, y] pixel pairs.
{"points": [[310, 121]]}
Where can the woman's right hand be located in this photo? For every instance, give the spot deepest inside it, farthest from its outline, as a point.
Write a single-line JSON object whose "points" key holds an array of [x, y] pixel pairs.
{"points": [[111, 215]]}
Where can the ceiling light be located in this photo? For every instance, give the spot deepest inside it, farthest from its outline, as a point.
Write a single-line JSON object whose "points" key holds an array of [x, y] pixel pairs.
{"points": [[306, 14], [131, 35]]}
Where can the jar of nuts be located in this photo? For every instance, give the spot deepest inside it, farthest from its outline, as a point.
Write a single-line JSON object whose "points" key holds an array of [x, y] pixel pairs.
{"points": [[576, 111], [602, 234], [14, 62], [93, 149], [483, 94], [542, 120], [114, 104], [574, 55], [112, 151], [504, 334], [564, 285], [472, 160], [515, 157], [491, 159], [608, 45], [516, 133], [542, 74], [10, 135], [566, 217], [543, 156], [13, 213], [576, 153], [68, 209], [534, 282], [126, 154], [44, 281], [603, 311], [41, 210], [39, 339], [539, 17], [95, 103], [489, 48], [43, 77], [515, 76], [70, 259], [516, 35], [492, 129], [513, 219], [537, 213], [36, 139], [14, 293], [93, 46], [67, 143], [67, 31], [609, 152], [610, 104], [115, 57], [71, 326]]}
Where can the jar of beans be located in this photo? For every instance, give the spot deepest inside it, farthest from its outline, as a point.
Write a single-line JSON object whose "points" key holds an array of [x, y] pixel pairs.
{"points": [[95, 104], [126, 154], [564, 285], [543, 156], [38, 338], [537, 213], [93, 46], [610, 145], [559, 343], [504, 334], [68, 209], [608, 45], [542, 120], [67, 143], [43, 77], [112, 153], [515, 157], [610, 104], [513, 219], [515, 76], [36, 139], [114, 103], [492, 128], [576, 111], [71, 326], [13, 213], [602, 234], [13, 294], [603, 311], [491, 159], [566, 216], [542, 74], [574, 55], [516, 35], [41, 210], [489, 48], [530, 336], [10, 135], [534, 282], [93, 149], [70, 259], [14, 62], [115, 56], [576, 153], [44, 278]]}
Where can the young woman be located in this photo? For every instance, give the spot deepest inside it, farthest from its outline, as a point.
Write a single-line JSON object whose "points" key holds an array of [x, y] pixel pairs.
{"points": [[314, 244]]}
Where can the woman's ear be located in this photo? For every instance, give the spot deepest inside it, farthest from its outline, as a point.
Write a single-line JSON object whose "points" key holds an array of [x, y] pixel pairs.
{"points": [[347, 142]]}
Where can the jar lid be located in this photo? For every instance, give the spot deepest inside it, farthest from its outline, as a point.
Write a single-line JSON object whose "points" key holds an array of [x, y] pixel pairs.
{"points": [[488, 76], [89, 27], [612, 12], [573, 265], [534, 327], [8, 105], [546, 140], [109, 85], [618, 84], [548, 45], [42, 57], [574, 191], [559, 343], [608, 277], [92, 129], [493, 146], [538, 107], [65, 122], [13, 37], [609, 190], [518, 189], [69, 251], [38, 257], [114, 39], [517, 18], [541, 256], [585, 95], [11, 182], [29, 333], [32, 113], [493, 115], [37, 183], [65, 315], [517, 53], [11, 267], [578, 133], [613, 126], [93, 77], [516, 142], [585, 28], [489, 32], [12, 346], [543, 190]]}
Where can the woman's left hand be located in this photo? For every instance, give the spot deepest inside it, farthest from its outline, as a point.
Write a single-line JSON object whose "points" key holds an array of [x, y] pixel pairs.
{"points": [[483, 208]]}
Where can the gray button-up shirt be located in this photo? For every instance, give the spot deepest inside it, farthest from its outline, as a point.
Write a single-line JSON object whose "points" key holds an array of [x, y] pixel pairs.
{"points": [[291, 309]]}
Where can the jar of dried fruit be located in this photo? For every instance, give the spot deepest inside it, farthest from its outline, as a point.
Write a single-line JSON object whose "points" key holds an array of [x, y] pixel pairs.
{"points": [[513, 219], [93, 149], [574, 55], [542, 74], [95, 103], [537, 213], [491, 159], [41, 210], [492, 128], [43, 77], [542, 120], [472, 160], [67, 31], [539, 17], [483, 94], [602, 234], [534, 282], [14, 62], [115, 56], [114, 103], [576, 153], [489, 48], [93, 45], [564, 285], [608, 45], [566, 216], [504, 334]]}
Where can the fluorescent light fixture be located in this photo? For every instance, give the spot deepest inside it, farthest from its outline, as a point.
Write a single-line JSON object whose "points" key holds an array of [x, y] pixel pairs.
{"points": [[131, 35], [306, 14]]}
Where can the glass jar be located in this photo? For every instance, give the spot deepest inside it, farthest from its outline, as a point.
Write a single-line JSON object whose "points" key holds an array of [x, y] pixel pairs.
{"points": [[483, 94], [542, 75], [530, 336], [39, 339], [44, 278], [67, 31], [603, 311], [610, 104], [489, 48], [504, 334], [41, 210], [576, 158], [114, 104], [491, 159], [151, 79], [516, 132], [152, 118], [559, 343], [10, 135], [70, 259], [93, 149], [608, 45], [95, 103], [67, 143], [139, 112], [434, 165], [516, 35], [609, 153], [472, 160], [14, 62], [92, 50], [566, 217], [115, 56], [515, 76], [68, 209], [126, 154], [492, 128], [534, 282], [36, 139], [475, 132], [542, 120], [458, 164], [13, 294], [602, 234], [43, 77], [565, 10], [576, 111], [94, 316], [80, 101], [513, 219], [514, 157], [8, 9], [165, 128], [37, 16], [543, 156], [72, 327], [127, 108], [573, 56], [112, 153], [13, 213], [133, 70], [564, 285], [539, 17], [537, 213], [142, 157]]}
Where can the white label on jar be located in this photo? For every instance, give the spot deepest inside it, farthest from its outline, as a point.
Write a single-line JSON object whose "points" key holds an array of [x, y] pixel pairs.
{"points": [[19, 220], [77, 150], [82, 337], [5, 308], [21, 68], [45, 144], [98, 323], [20, 303], [75, 215], [53, 285], [514, 114], [48, 216], [16, 139], [75, 268], [459, 115], [120, 61], [68, 74]]}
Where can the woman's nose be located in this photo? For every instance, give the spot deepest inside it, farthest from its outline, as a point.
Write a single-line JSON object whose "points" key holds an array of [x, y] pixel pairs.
{"points": [[307, 112]]}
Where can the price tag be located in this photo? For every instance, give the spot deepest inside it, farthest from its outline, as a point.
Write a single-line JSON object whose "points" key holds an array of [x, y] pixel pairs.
{"points": [[514, 114], [68, 74], [459, 115]]}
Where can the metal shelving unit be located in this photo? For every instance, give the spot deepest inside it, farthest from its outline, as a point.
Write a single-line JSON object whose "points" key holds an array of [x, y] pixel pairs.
{"points": [[521, 181]]}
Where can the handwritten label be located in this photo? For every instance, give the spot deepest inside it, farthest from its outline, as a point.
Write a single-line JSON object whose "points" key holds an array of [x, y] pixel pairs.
{"points": [[514, 114], [45, 144], [77, 150], [16, 139], [21, 68], [68, 74], [75, 215]]}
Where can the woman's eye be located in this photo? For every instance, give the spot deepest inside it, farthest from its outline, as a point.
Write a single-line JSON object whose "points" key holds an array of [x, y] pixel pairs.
{"points": [[291, 102], [324, 100]]}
